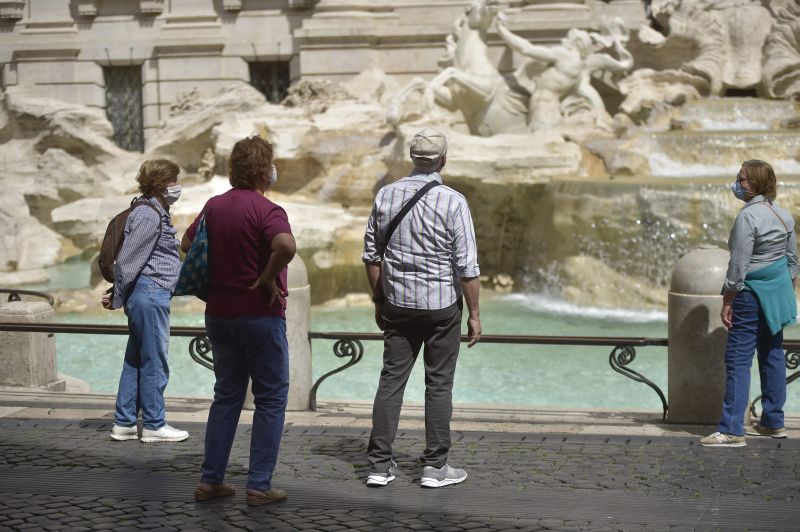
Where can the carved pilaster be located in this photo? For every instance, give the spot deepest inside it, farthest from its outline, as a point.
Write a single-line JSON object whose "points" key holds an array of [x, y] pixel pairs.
{"points": [[12, 10]]}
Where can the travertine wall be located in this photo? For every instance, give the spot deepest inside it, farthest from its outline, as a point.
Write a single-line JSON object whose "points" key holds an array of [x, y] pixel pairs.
{"points": [[54, 51], [57, 48]]}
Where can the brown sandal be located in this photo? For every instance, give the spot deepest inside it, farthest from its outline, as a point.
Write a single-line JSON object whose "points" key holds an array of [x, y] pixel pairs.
{"points": [[259, 498]]}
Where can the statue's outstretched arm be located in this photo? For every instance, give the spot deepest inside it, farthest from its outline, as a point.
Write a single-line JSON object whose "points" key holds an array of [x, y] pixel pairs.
{"points": [[613, 33], [597, 61], [518, 44]]}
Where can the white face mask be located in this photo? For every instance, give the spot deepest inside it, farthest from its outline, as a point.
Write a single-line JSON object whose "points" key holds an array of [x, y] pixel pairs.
{"points": [[172, 194]]}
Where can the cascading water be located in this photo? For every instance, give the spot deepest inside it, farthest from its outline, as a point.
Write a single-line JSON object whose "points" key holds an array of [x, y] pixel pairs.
{"points": [[717, 135], [639, 227]]}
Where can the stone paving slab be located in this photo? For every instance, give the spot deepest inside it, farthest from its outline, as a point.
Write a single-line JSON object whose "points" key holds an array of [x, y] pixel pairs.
{"points": [[505, 503], [67, 473]]}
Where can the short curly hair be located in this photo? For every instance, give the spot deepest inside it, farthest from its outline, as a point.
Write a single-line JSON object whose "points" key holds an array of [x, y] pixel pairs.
{"points": [[762, 178], [250, 161], [154, 175]]}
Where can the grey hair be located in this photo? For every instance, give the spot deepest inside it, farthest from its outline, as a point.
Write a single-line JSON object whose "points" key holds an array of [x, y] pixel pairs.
{"points": [[427, 166]]}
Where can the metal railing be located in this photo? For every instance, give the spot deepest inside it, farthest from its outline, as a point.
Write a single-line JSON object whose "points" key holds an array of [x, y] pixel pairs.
{"points": [[622, 354], [349, 345], [15, 295]]}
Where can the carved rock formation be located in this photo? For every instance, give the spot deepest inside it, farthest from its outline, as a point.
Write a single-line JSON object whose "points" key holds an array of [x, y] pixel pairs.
{"points": [[782, 51], [728, 37], [185, 137]]}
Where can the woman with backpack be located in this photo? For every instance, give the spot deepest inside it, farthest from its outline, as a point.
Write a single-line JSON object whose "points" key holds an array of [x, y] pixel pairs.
{"points": [[145, 273]]}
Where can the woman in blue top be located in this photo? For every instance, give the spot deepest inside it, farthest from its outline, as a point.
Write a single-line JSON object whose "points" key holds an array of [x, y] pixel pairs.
{"points": [[758, 302]]}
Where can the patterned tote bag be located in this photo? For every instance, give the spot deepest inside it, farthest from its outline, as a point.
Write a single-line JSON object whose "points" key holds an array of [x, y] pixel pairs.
{"points": [[194, 276]]}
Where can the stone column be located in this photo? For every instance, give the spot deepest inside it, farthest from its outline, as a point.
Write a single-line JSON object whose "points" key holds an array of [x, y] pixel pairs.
{"points": [[28, 359], [697, 338], [298, 319]]}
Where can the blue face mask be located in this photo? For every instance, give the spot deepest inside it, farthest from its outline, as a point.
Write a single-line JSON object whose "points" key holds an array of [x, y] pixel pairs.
{"points": [[738, 191]]}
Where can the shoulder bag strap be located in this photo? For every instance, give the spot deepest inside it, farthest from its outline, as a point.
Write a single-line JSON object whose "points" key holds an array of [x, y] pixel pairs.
{"points": [[778, 216], [767, 205], [406, 208], [134, 204], [140, 201]]}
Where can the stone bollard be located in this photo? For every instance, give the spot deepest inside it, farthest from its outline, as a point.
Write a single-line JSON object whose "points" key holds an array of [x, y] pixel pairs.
{"points": [[298, 320], [697, 338], [28, 359]]}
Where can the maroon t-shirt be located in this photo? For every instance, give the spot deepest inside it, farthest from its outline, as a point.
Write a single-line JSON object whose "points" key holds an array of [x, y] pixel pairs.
{"points": [[241, 225]]}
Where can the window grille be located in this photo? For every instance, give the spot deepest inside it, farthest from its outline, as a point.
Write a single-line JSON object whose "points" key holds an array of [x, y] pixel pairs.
{"points": [[124, 105], [271, 78]]}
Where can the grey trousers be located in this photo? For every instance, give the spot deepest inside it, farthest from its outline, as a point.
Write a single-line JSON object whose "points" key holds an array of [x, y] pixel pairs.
{"points": [[407, 330]]}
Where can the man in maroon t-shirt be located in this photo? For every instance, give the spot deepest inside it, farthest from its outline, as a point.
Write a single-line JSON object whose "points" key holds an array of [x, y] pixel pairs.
{"points": [[250, 245]]}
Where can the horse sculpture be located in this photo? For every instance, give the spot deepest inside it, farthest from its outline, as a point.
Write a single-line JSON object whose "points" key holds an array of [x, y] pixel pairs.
{"points": [[491, 102]]}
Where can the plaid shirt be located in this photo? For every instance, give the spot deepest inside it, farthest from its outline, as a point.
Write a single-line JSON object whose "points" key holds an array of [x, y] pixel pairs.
{"points": [[431, 250], [141, 234]]}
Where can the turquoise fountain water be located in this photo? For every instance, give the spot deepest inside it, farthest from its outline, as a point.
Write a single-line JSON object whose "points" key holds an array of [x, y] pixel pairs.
{"points": [[577, 377]]}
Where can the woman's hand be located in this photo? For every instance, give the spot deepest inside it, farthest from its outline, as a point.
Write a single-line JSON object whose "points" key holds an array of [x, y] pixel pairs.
{"points": [[727, 315], [269, 286], [727, 307], [105, 300]]}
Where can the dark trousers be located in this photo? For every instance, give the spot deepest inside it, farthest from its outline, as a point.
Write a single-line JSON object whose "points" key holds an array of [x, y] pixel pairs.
{"points": [[406, 330], [248, 348]]}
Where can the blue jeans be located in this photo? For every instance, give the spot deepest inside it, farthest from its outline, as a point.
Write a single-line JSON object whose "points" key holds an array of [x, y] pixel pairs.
{"points": [[253, 347], [145, 371], [749, 332]]}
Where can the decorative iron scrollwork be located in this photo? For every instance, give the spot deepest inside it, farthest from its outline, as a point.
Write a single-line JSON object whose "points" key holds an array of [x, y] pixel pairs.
{"points": [[792, 358], [199, 349], [620, 357], [343, 348]]}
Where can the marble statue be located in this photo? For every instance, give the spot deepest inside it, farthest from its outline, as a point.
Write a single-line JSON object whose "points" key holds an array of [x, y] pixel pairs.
{"points": [[781, 67], [728, 37], [559, 77], [470, 82], [554, 83]]}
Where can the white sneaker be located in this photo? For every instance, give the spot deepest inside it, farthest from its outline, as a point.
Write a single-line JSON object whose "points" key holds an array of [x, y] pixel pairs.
{"points": [[439, 477], [758, 430], [719, 439], [382, 479], [124, 433], [165, 433]]}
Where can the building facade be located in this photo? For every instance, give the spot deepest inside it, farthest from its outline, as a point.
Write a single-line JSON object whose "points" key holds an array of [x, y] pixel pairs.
{"points": [[138, 59]]}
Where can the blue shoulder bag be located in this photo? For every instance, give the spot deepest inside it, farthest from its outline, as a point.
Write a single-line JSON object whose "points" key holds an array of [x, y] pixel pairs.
{"points": [[194, 277]]}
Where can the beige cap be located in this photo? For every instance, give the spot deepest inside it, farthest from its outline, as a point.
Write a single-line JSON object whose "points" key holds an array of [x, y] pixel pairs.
{"points": [[428, 145]]}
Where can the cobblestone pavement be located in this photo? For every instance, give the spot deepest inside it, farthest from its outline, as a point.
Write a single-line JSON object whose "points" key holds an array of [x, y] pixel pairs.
{"points": [[67, 474]]}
